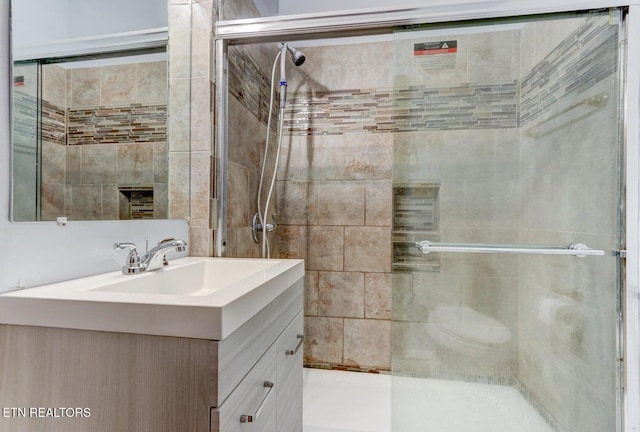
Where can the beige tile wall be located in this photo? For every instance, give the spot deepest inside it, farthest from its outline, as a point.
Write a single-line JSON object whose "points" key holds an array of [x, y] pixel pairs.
{"points": [[246, 149], [190, 186], [71, 174], [192, 131], [247, 136], [334, 207], [54, 88], [116, 85], [335, 196]]}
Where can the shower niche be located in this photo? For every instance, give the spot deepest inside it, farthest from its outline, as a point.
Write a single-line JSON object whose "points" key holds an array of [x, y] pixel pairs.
{"points": [[135, 203], [416, 217]]}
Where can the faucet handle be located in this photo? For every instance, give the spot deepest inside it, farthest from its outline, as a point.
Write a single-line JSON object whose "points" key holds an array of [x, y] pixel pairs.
{"points": [[179, 244], [121, 246], [132, 264]]}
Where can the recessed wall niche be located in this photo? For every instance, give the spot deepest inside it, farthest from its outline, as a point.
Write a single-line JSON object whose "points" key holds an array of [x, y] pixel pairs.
{"points": [[135, 203], [416, 217]]}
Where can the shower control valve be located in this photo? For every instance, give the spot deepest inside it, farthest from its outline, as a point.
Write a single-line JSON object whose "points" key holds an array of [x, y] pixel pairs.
{"points": [[256, 226]]}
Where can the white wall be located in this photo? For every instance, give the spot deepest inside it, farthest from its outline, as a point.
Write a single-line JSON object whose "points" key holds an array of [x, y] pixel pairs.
{"points": [[43, 21], [97, 17], [49, 18], [52, 28], [267, 7], [41, 252]]}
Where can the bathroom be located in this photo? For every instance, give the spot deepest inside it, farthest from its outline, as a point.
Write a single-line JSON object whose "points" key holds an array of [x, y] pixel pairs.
{"points": [[338, 181]]}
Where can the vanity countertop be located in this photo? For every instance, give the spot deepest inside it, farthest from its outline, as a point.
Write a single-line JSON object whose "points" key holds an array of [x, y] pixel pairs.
{"points": [[203, 298]]}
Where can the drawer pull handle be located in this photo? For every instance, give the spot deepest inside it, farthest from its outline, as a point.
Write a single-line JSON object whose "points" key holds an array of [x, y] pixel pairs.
{"points": [[295, 351], [248, 418]]}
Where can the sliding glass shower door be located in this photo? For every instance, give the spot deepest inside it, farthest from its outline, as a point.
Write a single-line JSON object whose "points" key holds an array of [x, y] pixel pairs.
{"points": [[507, 195]]}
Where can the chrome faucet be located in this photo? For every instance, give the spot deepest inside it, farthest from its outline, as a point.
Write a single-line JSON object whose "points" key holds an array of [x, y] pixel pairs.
{"points": [[154, 259]]}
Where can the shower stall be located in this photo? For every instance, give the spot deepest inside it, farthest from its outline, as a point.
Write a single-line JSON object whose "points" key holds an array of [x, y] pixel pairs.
{"points": [[463, 186]]}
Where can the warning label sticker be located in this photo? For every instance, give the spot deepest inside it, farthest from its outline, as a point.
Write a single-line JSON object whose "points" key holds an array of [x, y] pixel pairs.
{"points": [[430, 48]]}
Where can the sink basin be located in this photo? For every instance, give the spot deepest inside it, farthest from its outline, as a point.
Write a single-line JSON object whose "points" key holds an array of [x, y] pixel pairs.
{"points": [[204, 298], [199, 278]]}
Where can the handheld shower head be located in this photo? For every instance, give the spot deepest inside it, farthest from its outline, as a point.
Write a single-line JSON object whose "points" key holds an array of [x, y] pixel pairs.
{"points": [[297, 57]]}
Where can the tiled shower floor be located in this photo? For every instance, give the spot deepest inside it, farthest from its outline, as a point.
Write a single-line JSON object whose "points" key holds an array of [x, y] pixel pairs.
{"points": [[336, 401]]}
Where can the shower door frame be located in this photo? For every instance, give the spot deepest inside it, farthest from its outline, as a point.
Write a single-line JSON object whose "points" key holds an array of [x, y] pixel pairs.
{"points": [[382, 21]]}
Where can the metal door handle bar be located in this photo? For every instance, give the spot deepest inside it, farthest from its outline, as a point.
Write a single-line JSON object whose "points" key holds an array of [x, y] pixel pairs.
{"points": [[574, 249], [295, 351], [248, 418]]}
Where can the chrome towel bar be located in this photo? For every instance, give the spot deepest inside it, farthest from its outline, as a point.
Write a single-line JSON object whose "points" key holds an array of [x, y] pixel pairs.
{"points": [[574, 249]]}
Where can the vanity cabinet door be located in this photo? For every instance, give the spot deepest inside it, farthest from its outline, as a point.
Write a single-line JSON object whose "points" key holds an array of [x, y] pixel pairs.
{"points": [[289, 369], [252, 405], [234, 356]]}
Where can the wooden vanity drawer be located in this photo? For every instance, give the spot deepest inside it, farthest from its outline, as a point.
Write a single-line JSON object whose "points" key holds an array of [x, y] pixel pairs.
{"points": [[233, 357], [252, 405]]}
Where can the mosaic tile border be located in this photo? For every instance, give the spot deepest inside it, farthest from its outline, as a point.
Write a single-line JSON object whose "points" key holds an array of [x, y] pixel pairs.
{"points": [[583, 59], [135, 123], [53, 123], [410, 109], [249, 85], [586, 57]]}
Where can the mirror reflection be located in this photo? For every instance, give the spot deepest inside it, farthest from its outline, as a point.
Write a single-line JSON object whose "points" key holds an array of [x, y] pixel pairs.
{"points": [[90, 142], [90, 129]]}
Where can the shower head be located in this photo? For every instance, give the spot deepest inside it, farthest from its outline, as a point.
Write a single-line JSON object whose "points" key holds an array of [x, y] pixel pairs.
{"points": [[297, 57]]}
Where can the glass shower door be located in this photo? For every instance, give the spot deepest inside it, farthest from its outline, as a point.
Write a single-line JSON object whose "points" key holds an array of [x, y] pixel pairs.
{"points": [[506, 198]]}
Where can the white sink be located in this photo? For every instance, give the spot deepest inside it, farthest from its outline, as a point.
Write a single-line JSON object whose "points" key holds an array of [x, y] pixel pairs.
{"points": [[205, 298], [198, 278]]}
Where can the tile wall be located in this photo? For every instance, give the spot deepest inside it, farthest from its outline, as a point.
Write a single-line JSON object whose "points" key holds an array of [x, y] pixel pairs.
{"points": [[191, 118], [337, 266], [249, 97], [354, 123], [337, 216], [103, 128], [248, 115], [334, 203], [55, 192]]}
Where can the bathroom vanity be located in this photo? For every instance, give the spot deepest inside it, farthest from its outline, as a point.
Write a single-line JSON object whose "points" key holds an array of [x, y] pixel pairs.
{"points": [[158, 352]]}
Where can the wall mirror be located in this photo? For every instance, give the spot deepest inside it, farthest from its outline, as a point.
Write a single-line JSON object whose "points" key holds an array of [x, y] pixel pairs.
{"points": [[89, 110]]}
